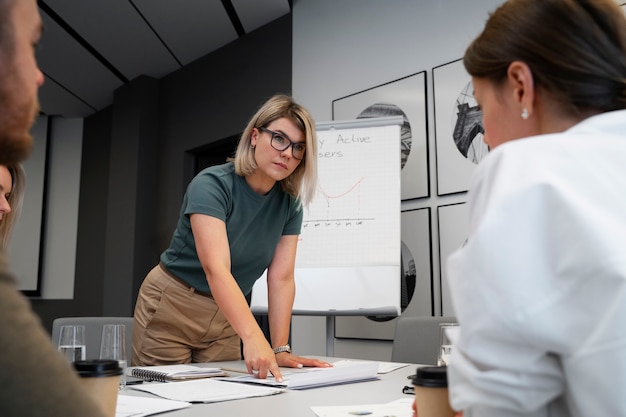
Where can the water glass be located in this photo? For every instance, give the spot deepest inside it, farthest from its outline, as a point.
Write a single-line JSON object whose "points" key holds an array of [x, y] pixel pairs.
{"points": [[113, 346], [445, 342], [72, 342]]}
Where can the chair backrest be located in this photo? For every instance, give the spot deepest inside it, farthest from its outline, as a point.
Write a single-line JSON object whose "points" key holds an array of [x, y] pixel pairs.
{"points": [[416, 339], [93, 332]]}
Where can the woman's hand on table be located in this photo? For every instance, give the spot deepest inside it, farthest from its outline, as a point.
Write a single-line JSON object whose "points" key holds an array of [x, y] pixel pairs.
{"points": [[260, 360], [289, 360]]}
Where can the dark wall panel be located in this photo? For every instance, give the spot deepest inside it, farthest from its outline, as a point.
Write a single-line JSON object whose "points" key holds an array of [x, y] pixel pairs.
{"points": [[210, 99]]}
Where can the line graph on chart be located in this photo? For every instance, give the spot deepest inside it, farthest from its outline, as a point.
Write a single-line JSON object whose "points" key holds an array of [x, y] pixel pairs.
{"points": [[339, 209], [351, 219]]}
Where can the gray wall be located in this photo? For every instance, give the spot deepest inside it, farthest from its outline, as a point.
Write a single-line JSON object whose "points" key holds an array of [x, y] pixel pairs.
{"points": [[133, 164], [134, 154], [343, 47]]}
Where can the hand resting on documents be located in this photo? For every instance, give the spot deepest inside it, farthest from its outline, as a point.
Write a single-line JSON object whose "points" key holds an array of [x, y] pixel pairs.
{"points": [[289, 360], [263, 366], [343, 372]]}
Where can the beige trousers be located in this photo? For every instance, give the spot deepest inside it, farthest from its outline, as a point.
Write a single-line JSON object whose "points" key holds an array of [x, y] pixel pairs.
{"points": [[175, 324]]}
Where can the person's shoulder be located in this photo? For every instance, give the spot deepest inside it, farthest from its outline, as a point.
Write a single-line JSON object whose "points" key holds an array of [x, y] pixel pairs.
{"points": [[525, 153], [220, 170], [221, 173], [521, 164], [216, 179]]}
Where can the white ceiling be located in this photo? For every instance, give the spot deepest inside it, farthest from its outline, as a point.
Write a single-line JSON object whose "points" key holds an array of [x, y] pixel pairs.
{"points": [[92, 47]]}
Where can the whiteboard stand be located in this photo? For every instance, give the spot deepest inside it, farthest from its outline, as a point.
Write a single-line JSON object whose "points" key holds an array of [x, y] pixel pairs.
{"points": [[330, 319], [330, 336], [350, 240]]}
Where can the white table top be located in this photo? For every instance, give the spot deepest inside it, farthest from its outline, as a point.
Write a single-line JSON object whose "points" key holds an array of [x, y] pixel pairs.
{"points": [[297, 403]]}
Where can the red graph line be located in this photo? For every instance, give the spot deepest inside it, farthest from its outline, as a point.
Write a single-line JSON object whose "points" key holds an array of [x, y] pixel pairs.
{"points": [[348, 191]]}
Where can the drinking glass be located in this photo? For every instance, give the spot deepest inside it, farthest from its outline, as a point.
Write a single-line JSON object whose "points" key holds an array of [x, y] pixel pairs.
{"points": [[72, 342], [445, 343], [113, 346]]}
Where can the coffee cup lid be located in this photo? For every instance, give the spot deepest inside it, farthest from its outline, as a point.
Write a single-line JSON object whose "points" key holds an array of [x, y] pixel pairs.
{"points": [[431, 376], [97, 368]]}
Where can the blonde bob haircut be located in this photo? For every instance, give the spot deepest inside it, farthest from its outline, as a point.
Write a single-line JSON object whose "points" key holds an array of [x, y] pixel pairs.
{"points": [[302, 183], [18, 179]]}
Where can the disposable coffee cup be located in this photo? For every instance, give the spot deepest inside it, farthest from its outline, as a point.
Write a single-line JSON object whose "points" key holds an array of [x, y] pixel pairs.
{"points": [[431, 392], [101, 379]]}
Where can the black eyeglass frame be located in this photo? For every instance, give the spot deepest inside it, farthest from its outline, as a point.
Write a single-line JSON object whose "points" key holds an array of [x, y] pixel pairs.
{"points": [[291, 144]]}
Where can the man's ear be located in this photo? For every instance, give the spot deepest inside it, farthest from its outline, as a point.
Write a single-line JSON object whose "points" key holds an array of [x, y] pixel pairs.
{"points": [[521, 80]]}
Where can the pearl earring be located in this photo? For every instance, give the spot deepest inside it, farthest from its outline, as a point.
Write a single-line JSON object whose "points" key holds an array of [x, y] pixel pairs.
{"points": [[525, 113]]}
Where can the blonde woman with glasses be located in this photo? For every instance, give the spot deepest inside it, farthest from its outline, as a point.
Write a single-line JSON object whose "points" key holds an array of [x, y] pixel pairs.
{"points": [[237, 220]]}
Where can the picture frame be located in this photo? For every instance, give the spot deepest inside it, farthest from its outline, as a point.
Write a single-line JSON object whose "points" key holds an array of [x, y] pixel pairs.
{"points": [[417, 282], [459, 131], [406, 97], [453, 232]]}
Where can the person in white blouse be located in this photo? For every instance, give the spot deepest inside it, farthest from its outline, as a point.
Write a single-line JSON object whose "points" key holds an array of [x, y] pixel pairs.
{"points": [[539, 287]]}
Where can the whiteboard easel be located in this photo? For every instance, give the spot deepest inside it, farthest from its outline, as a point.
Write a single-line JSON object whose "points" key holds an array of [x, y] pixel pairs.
{"points": [[348, 260]]}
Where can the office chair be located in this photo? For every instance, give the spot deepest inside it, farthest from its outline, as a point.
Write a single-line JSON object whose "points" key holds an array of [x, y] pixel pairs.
{"points": [[93, 332], [416, 339]]}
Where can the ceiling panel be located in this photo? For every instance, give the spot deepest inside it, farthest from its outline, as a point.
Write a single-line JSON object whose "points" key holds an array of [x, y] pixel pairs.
{"points": [[191, 28], [117, 30], [69, 64], [252, 16], [90, 48], [55, 100]]}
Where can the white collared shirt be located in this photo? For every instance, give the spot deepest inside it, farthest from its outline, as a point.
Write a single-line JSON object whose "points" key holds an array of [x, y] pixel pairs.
{"points": [[540, 287]]}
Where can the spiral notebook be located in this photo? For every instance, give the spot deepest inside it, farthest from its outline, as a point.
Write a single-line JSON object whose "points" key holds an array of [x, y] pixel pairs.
{"points": [[168, 373]]}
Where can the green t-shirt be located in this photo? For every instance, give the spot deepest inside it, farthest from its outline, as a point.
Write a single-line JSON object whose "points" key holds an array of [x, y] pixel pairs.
{"points": [[254, 224]]}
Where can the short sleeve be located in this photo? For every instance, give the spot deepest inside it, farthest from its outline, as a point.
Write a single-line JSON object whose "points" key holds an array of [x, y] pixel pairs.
{"points": [[208, 194], [293, 226]]}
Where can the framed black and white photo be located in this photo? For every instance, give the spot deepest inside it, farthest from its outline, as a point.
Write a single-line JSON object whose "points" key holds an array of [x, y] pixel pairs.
{"points": [[405, 97], [458, 128], [415, 277], [453, 220]]}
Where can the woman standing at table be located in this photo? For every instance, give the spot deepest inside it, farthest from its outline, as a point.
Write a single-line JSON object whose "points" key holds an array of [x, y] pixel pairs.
{"points": [[539, 288], [236, 221]]}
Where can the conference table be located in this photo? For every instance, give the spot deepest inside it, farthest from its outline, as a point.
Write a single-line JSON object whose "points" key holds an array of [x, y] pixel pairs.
{"points": [[297, 403]]}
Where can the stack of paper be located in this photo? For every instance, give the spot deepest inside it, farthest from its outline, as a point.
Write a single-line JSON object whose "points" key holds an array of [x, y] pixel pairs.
{"points": [[132, 406], [341, 373], [383, 367], [206, 390], [399, 408]]}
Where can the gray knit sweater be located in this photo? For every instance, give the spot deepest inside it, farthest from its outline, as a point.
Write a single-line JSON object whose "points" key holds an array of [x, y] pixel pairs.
{"points": [[35, 380]]}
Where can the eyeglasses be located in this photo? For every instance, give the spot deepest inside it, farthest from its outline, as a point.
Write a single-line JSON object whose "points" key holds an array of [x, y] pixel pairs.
{"points": [[281, 143]]}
